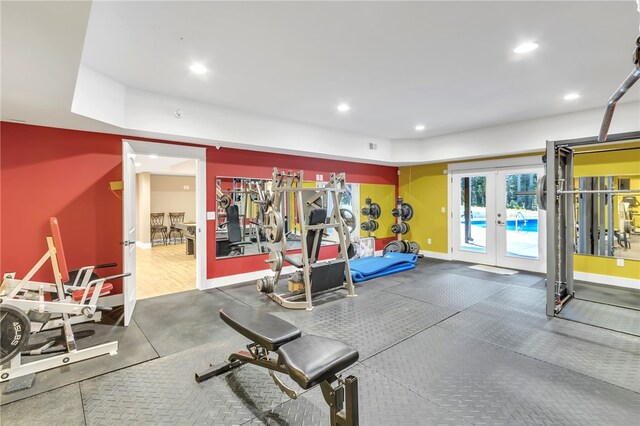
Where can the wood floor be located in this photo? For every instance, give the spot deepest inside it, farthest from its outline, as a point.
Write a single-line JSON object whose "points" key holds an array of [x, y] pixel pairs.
{"points": [[164, 269]]}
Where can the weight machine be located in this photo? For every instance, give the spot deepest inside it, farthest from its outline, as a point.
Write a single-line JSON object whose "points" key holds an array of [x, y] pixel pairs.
{"points": [[313, 219], [28, 307], [556, 193]]}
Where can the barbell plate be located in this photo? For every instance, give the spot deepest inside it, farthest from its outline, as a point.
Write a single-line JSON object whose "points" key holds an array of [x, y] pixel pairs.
{"points": [[392, 247], [406, 211], [365, 211], [225, 201], [395, 212], [541, 192], [375, 211], [374, 225], [395, 228], [273, 227], [404, 228], [14, 331], [349, 219], [414, 247], [275, 260]]}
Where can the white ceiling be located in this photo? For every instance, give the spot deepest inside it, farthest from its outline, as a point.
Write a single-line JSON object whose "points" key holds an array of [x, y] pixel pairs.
{"points": [[445, 64], [448, 65], [165, 165]]}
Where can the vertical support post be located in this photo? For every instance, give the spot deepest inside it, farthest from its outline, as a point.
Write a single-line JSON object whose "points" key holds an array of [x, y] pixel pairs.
{"points": [[351, 401], [552, 226], [569, 222], [602, 244], [467, 209], [610, 197]]}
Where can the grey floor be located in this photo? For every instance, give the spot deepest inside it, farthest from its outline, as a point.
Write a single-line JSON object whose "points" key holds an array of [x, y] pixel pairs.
{"points": [[440, 344]]}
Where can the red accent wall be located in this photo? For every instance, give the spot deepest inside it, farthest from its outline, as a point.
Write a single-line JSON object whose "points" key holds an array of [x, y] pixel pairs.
{"points": [[48, 172]]}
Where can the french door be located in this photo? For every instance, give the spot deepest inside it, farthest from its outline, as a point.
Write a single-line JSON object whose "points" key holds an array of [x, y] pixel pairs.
{"points": [[495, 218]]}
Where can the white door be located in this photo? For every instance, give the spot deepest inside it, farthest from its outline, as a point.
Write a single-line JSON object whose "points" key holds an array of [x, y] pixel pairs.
{"points": [[495, 218], [520, 235], [129, 230], [472, 213]]}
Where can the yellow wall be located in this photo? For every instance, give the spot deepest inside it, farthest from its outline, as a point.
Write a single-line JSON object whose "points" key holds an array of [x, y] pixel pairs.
{"points": [[425, 188], [385, 196]]}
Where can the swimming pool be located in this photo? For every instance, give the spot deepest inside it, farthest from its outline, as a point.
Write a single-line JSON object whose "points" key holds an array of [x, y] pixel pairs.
{"points": [[527, 225]]}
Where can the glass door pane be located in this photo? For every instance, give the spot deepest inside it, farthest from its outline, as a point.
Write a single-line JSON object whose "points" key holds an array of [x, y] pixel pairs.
{"points": [[473, 213], [521, 236]]}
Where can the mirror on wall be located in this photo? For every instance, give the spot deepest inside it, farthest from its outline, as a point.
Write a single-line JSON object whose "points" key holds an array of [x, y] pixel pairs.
{"points": [[607, 216], [240, 213]]}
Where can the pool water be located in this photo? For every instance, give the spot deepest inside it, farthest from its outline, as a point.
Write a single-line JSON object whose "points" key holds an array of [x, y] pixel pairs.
{"points": [[528, 225]]}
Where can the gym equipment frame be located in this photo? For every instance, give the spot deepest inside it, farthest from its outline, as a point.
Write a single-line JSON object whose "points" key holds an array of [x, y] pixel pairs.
{"points": [[308, 360], [558, 193], [311, 215], [23, 302]]}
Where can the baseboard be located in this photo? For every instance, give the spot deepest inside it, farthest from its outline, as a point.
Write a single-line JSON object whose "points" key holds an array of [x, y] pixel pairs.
{"points": [[142, 245], [607, 280], [243, 278], [436, 255]]}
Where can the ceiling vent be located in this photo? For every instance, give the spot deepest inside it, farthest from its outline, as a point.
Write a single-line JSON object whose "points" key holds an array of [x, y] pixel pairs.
{"points": [[373, 146]]}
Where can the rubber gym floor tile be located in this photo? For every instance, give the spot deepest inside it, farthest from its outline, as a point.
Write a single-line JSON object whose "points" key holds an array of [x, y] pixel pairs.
{"points": [[594, 352], [524, 299], [62, 406], [164, 391], [133, 348], [382, 401], [606, 294], [449, 290], [485, 384], [182, 320], [597, 314]]}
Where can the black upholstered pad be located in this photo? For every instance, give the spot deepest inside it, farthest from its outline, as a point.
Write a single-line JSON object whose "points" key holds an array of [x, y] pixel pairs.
{"points": [[312, 359], [267, 330]]}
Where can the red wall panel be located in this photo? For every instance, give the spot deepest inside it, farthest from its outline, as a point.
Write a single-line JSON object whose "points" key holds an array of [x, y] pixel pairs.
{"points": [[66, 173]]}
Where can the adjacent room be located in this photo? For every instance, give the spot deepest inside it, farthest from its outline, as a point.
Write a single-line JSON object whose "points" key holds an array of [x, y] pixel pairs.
{"points": [[309, 213]]}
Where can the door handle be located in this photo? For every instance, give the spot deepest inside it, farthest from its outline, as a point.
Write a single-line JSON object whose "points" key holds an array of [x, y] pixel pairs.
{"points": [[127, 243]]}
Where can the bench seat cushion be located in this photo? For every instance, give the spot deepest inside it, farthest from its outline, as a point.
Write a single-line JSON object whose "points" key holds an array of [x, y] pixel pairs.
{"points": [[313, 359], [267, 330]]}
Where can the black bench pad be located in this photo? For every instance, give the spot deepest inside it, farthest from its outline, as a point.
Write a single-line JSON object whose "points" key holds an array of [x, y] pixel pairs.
{"points": [[313, 359], [267, 330]]}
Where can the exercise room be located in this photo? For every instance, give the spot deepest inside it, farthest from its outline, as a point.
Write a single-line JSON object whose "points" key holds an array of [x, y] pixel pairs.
{"points": [[320, 213]]}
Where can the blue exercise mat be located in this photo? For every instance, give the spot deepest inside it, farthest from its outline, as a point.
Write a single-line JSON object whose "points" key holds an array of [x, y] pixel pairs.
{"points": [[368, 268]]}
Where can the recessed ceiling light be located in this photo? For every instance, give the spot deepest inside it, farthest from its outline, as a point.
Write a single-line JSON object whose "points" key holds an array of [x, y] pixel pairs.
{"points": [[344, 107], [420, 127], [137, 164], [153, 156], [571, 96], [198, 68], [526, 47]]}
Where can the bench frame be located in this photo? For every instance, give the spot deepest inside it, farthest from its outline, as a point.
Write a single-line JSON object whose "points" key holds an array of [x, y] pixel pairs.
{"points": [[342, 398]]}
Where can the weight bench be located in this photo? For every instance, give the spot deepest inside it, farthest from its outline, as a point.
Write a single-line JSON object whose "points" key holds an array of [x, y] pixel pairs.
{"points": [[309, 360]]}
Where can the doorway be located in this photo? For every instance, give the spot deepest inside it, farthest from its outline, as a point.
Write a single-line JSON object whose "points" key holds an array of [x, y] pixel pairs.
{"points": [[132, 149], [495, 218]]}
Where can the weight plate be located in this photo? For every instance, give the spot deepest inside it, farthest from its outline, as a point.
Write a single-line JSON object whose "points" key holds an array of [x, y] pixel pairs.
{"points": [[14, 331], [406, 211], [364, 226], [349, 219], [404, 228], [414, 247], [273, 227], [541, 192], [365, 211], [275, 260], [266, 285], [395, 228], [393, 247], [374, 225], [375, 211], [351, 250], [225, 201], [395, 212], [405, 246]]}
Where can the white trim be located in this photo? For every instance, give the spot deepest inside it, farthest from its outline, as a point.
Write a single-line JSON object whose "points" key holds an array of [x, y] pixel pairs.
{"points": [[167, 149], [607, 280], [436, 255], [500, 163], [144, 246], [243, 278]]}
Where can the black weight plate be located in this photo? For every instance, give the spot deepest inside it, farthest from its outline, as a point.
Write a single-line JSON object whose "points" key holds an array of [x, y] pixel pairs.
{"points": [[404, 228], [395, 228], [374, 225], [406, 211], [365, 211], [375, 211], [364, 226], [393, 247], [14, 331], [405, 246], [414, 247], [395, 212]]}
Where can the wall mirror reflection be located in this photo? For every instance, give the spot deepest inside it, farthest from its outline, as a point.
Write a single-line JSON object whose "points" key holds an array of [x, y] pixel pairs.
{"points": [[240, 214], [607, 213]]}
